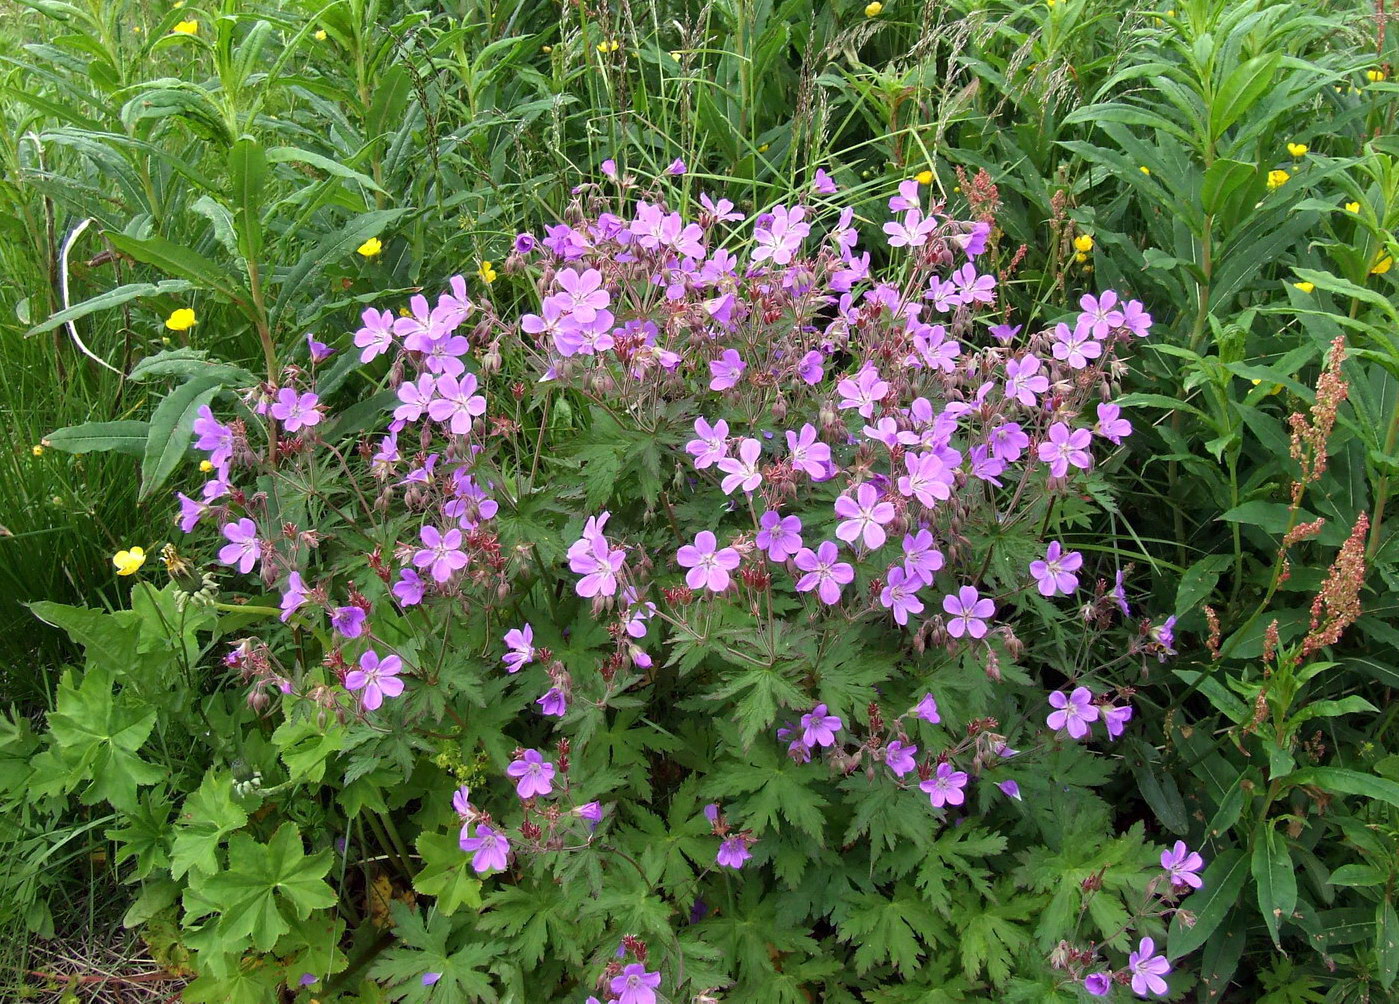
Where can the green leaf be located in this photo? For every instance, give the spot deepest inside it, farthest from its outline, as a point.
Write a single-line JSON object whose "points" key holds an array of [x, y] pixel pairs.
{"points": [[189, 364], [446, 873], [264, 883], [424, 948], [111, 298], [181, 261], [1224, 879], [295, 155], [99, 437], [171, 428], [1387, 942], [1199, 581], [97, 737], [247, 174], [208, 815], [1240, 89], [1338, 780], [1275, 880]]}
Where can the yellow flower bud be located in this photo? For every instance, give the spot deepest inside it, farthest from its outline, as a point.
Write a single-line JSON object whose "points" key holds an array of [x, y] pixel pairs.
{"points": [[205, 466], [1375, 76], [37, 449], [186, 28], [872, 10], [181, 319], [1297, 149], [1305, 287], [370, 248], [1145, 170], [319, 36], [1080, 257]]}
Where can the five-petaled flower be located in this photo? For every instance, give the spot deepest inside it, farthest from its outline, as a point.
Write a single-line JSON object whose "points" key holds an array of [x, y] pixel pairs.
{"points": [[1054, 574], [243, 549], [441, 553], [129, 562], [1147, 968], [968, 611], [532, 773], [709, 565], [824, 572], [376, 677], [863, 517], [819, 728], [946, 786], [180, 319], [488, 849], [1074, 711], [1181, 863], [635, 985]]}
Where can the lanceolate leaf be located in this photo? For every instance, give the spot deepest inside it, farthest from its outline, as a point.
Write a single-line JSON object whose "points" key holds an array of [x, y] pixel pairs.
{"points": [[1224, 880], [1275, 880], [170, 430], [98, 437]]}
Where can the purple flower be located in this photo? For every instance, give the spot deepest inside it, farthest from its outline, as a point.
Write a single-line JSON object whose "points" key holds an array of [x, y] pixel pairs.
{"points": [[927, 709], [1100, 315], [726, 370], [711, 813], [553, 703], [945, 786], [1115, 719], [1009, 788], [907, 197], [461, 801], [780, 536], [899, 758], [319, 351], [708, 565], [1073, 712], [608, 168], [597, 563], [1147, 968], [1164, 635], [1055, 573], [1066, 447], [864, 516], [808, 455], [862, 391], [900, 594], [1135, 319], [742, 471], [590, 811], [414, 398], [635, 985], [243, 549], [968, 611], [1075, 345], [1098, 984], [812, 368], [441, 553], [430, 978], [376, 336], [408, 590], [733, 851], [1004, 332], [823, 183], [488, 849], [520, 645], [457, 405], [1181, 863], [1119, 593], [294, 597], [1008, 442], [1024, 380], [677, 166], [533, 774], [928, 478], [348, 621], [921, 559], [722, 211], [524, 243], [1111, 426], [824, 572], [581, 294], [378, 678], [710, 443], [911, 231], [819, 728], [779, 236]]}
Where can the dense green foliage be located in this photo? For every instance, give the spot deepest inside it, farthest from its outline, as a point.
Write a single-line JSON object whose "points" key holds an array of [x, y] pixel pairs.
{"points": [[236, 170]]}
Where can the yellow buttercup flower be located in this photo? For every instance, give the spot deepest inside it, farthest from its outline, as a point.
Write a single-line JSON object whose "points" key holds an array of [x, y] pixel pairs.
{"points": [[1145, 170], [1297, 149], [763, 148], [319, 36], [1277, 178], [1080, 257], [546, 49], [205, 466], [1376, 76], [129, 562], [1083, 243], [370, 248], [872, 10], [611, 45], [37, 449], [486, 272], [1352, 207], [186, 28], [1305, 287], [1382, 265], [924, 177], [181, 319]]}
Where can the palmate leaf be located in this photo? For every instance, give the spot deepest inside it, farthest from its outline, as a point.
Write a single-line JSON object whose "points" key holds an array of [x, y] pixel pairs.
{"points": [[208, 815], [97, 737], [446, 873], [263, 884], [770, 788], [897, 929], [430, 948], [992, 932]]}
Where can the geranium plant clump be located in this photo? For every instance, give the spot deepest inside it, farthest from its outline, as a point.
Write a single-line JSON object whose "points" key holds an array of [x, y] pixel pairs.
{"points": [[736, 514]]}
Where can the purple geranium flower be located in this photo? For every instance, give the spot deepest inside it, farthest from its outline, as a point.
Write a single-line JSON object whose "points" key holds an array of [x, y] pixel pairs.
{"points": [[1181, 863], [243, 549], [533, 774], [780, 536], [1147, 968], [742, 471], [726, 370], [377, 678], [899, 758], [708, 565], [1111, 426], [921, 559], [819, 728], [900, 594], [294, 597], [441, 553], [824, 572], [1066, 447], [488, 849], [1115, 719], [864, 516], [1009, 788], [927, 709], [519, 643], [710, 443], [553, 704], [1055, 573], [1074, 711], [409, 588], [1098, 984], [733, 851], [635, 985], [348, 621], [968, 611], [945, 786], [296, 411]]}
